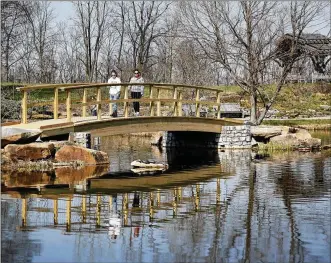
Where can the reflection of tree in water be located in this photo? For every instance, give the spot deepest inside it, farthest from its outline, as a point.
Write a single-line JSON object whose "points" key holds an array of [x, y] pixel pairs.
{"points": [[15, 244], [200, 237], [310, 184], [259, 240], [304, 180]]}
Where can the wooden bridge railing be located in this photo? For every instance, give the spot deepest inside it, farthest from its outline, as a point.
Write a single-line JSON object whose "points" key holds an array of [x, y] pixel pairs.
{"points": [[154, 98]]}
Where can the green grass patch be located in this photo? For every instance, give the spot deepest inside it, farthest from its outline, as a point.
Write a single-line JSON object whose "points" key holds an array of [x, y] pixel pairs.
{"points": [[11, 84], [228, 89], [48, 94], [297, 122]]}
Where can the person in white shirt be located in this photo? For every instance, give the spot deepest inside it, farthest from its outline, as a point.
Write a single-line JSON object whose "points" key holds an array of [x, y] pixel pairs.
{"points": [[137, 91], [114, 92]]}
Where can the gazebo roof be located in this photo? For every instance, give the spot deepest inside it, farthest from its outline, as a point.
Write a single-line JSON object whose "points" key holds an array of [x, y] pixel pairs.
{"points": [[315, 44]]}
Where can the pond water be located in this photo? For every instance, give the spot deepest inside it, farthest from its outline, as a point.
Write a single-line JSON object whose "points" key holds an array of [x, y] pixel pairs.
{"points": [[209, 206]]}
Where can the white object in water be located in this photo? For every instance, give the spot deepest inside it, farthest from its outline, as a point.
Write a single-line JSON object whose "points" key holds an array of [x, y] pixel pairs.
{"points": [[148, 164], [114, 224]]}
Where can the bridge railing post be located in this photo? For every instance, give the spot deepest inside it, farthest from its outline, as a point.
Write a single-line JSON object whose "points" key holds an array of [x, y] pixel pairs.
{"points": [[56, 103], [179, 105], [126, 104], [68, 214], [84, 101], [98, 210], [151, 204], [84, 208], [158, 104], [125, 206], [56, 211], [25, 107], [175, 95], [68, 102], [218, 105], [24, 212], [151, 104], [99, 103], [197, 104]]}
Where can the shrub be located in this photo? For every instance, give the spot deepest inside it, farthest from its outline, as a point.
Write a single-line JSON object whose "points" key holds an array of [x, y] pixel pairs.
{"points": [[10, 109], [8, 91]]}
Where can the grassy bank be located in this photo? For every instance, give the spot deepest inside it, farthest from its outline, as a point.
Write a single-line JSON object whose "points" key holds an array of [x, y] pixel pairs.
{"points": [[310, 124], [295, 99]]}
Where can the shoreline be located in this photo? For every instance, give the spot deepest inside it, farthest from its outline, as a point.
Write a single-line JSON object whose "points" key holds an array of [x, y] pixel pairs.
{"points": [[314, 123]]}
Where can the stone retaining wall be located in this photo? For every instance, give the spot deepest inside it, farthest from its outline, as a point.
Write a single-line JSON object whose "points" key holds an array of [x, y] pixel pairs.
{"points": [[235, 137], [231, 137], [81, 138]]}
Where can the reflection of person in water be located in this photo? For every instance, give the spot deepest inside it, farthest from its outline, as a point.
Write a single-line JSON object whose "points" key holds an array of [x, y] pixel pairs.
{"points": [[136, 231], [114, 219], [135, 202]]}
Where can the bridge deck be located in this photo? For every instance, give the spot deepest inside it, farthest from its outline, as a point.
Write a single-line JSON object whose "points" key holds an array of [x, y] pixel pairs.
{"points": [[123, 125], [44, 124]]}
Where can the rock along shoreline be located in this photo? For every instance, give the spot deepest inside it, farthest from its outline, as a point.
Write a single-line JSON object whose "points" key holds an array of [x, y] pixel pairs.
{"points": [[48, 155]]}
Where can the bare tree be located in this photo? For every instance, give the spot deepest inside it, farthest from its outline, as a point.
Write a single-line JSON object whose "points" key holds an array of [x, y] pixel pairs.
{"points": [[68, 63], [108, 54], [191, 64], [243, 36], [13, 18], [91, 21], [144, 27], [27, 63], [43, 37], [119, 25], [166, 49]]}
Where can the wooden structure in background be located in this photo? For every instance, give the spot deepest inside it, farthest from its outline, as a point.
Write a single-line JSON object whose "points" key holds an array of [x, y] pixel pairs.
{"points": [[315, 46]]}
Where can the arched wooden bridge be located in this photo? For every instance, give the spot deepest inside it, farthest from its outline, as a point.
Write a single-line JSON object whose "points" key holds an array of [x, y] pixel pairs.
{"points": [[161, 108]]}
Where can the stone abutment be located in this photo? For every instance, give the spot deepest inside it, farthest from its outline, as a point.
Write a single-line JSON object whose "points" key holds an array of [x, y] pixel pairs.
{"points": [[231, 137]]}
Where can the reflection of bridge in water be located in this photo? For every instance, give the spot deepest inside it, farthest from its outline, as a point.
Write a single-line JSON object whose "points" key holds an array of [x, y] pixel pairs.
{"points": [[75, 212], [150, 199]]}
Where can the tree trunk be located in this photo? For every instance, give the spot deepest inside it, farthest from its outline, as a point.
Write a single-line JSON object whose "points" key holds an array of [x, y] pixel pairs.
{"points": [[7, 62], [254, 108], [119, 59]]}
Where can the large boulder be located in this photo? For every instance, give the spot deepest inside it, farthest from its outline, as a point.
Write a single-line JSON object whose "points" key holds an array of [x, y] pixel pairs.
{"points": [[286, 137], [30, 152], [298, 140], [265, 132], [302, 134], [11, 135], [5, 159], [72, 153], [59, 144]]}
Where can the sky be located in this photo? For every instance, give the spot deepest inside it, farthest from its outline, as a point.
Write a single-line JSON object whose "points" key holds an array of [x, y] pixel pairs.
{"points": [[64, 9]]}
